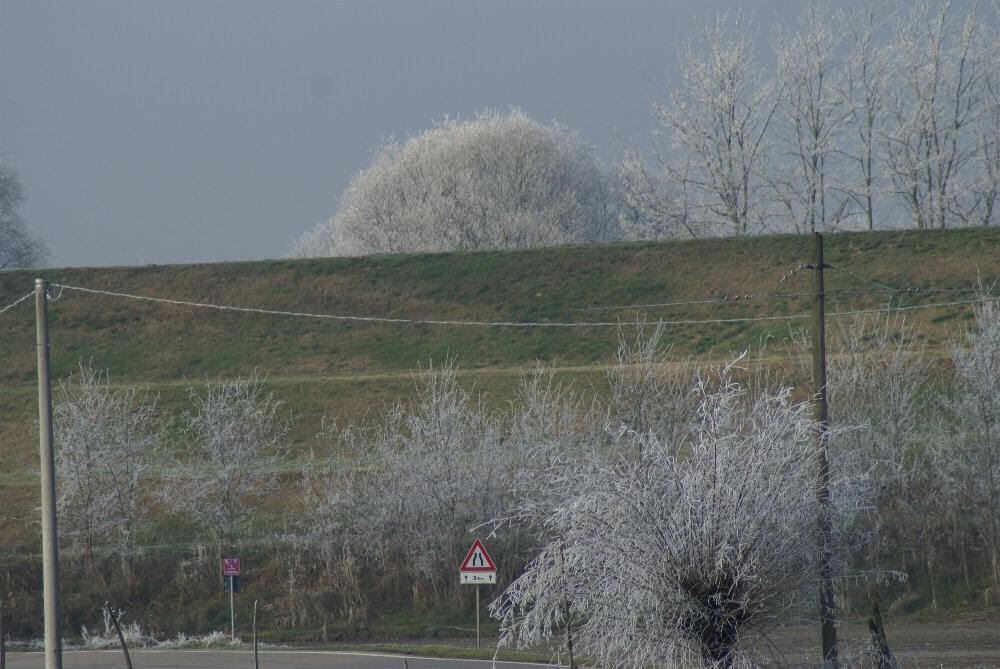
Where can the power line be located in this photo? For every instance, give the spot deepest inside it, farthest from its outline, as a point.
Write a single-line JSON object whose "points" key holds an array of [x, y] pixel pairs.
{"points": [[747, 298], [474, 323], [882, 288], [16, 302], [415, 321], [911, 307], [865, 279], [726, 299], [913, 290]]}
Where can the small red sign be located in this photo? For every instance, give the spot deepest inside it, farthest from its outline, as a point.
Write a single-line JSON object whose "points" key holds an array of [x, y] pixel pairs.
{"points": [[231, 566], [477, 559]]}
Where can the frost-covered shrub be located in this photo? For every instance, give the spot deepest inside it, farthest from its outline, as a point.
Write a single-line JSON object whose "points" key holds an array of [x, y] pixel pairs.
{"points": [[674, 558]]}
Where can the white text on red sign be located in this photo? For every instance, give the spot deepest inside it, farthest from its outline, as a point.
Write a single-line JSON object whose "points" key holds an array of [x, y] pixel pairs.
{"points": [[230, 566]]}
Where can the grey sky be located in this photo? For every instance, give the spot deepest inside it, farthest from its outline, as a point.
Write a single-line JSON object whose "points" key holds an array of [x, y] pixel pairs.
{"points": [[156, 132]]}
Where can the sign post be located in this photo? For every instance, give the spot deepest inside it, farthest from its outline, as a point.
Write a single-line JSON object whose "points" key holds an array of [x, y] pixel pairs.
{"points": [[231, 572], [477, 568]]}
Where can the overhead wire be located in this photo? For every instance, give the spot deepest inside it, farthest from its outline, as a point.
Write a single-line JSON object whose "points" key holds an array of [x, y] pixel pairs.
{"points": [[16, 302], [680, 303], [412, 321], [483, 323], [865, 279], [749, 297], [913, 290]]}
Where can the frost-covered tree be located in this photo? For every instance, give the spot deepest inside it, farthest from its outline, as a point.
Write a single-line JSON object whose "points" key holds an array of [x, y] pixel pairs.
{"points": [[105, 441], [942, 64], [986, 160], [882, 111], [647, 393], [18, 247], [876, 382], [863, 89], [710, 176], [809, 123], [549, 422], [498, 180], [971, 455], [676, 558], [659, 194], [430, 471], [233, 436]]}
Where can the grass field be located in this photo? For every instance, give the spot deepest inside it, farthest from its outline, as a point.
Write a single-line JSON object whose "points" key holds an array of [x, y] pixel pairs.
{"points": [[344, 369]]}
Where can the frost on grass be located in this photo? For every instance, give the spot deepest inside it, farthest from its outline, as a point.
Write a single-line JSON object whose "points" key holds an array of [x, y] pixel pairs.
{"points": [[679, 557], [136, 637], [133, 633]]}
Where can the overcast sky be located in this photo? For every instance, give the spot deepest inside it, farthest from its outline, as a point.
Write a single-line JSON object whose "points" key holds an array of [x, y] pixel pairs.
{"points": [[161, 132]]}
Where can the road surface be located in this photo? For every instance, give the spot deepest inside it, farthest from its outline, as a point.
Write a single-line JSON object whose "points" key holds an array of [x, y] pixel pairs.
{"points": [[955, 645], [235, 659]]}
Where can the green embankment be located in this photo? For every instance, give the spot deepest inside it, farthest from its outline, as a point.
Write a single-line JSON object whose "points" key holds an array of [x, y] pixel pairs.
{"points": [[327, 368]]}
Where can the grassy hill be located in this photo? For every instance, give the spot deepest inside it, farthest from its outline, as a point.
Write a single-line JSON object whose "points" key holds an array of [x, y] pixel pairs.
{"points": [[346, 368], [326, 368]]}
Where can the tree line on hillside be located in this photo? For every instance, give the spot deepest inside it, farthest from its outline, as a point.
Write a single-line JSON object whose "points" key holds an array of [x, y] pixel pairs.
{"points": [[664, 521], [882, 115]]}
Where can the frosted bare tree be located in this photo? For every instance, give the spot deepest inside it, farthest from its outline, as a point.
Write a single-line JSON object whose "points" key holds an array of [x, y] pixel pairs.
{"points": [[675, 559], [81, 413], [863, 90], [647, 392], [105, 442], [550, 422], [715, 124], [18, 247], [340, 529], [986, 161], [809, 122], [499, 180], [433, 468], [972, 452], [660, 192], [941, 67], [552, 425], [877, 380], [233, 438]]}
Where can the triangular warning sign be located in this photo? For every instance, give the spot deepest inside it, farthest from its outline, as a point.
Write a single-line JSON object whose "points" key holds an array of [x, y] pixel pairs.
{"points": [[477, 559]]}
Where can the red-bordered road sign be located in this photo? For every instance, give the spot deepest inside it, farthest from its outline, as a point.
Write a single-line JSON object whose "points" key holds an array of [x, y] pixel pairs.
{"points": [[477, 559], [231, 566]]}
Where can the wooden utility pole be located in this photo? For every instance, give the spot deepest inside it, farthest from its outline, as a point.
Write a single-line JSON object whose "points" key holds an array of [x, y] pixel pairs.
{"points": [[820, 414], [256, 660], [50, 542], [3, 641]]}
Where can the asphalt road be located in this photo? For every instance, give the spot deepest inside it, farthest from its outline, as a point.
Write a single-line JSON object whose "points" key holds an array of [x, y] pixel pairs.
{"points": [[956, 645], [232, 659]]}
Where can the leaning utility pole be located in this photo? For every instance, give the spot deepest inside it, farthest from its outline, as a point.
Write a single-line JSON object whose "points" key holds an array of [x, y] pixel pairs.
{"points": [[820, 414], [3, 641], [50, 542]]}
